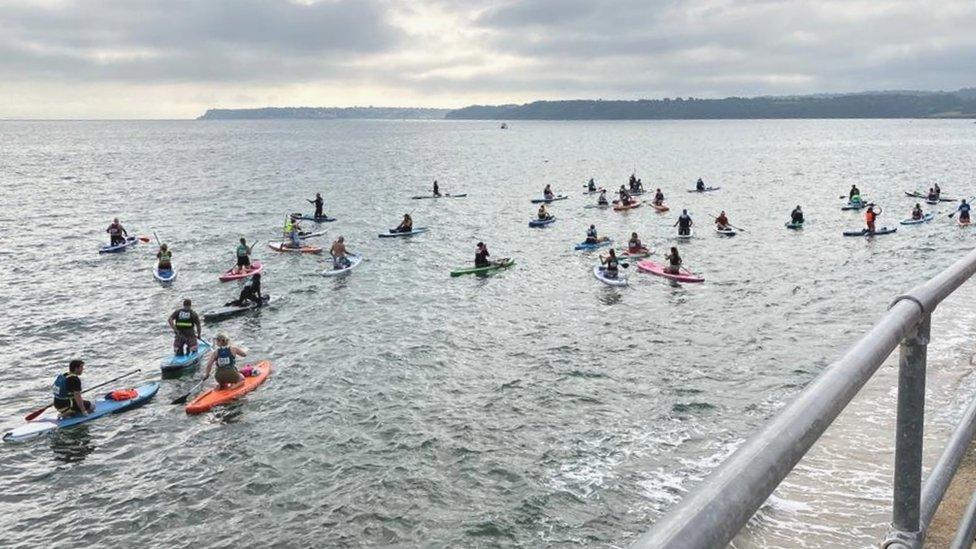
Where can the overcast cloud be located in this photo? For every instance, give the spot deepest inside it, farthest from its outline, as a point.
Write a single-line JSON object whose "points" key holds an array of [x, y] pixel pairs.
{"points": [[175, 58]]}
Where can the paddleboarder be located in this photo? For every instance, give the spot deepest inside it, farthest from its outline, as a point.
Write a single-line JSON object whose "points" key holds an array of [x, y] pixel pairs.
{"points": [[658, 198], [67, 392], [481, 256], [963, 210], [116, 233], [591, 186], [917, 212], [165, 258], [591, 235], [674, 261], [700, 185], [437, 190], [855, 193], [610, 263], [406, 225], [684, 223], [634, 245], [602, 199], [547, 193], [318, 202], [185, 324], [339, 251], [796, 216], [224, 356], [870, 216], [543, 212], [250, 292], [722, 221], [243, 257]]}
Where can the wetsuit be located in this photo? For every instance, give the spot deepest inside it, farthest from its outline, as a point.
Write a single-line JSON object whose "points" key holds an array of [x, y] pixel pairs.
{"points": [[591, 186], [964, 212], [184, 321], [796, 216], [917, 213], [437, 190], [684, 225], [700, 185], [250, 292], [65, 386], [318, 206], [659, 198]]}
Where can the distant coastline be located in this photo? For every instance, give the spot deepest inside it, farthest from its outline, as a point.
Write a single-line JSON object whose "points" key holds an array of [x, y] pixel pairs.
{"points": [[885, 104]]}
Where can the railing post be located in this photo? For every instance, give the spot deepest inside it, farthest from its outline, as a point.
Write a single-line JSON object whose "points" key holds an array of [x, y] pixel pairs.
{"points": [[906, 528]]}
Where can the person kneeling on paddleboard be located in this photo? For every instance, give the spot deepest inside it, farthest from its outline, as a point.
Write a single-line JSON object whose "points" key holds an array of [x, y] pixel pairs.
{"points": [[243, 257], [700, 185], [591, 236], [67, 392], [602, 200], [250, 292], [543, 212], [684, 223], [610, 263], [917, 212], [116, 233], [224, 356], [339, 251], [722, 221], [406, 225], [547, 193], [870, 216], [481, 256], [591, 186], [933, 196], [796, 216], [674, 262], [634, 245], [624, 196], [963, 210], [186, 328], [165, 258], [658, 198], [855, 192]]}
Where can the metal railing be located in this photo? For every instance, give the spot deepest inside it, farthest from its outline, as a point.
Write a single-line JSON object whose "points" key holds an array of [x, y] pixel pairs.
{"points": [[714, 512]]}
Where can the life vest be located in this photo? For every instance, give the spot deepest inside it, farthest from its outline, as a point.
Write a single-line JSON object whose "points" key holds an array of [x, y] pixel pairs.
{"points": [[184, 318], [870, 216], [225, 357], [60, 387], [165, 256], [591, 233], [122, 394]]}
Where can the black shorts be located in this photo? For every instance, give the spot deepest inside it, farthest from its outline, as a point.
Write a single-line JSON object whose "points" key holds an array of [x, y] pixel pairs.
{"points": [[243, 261]]}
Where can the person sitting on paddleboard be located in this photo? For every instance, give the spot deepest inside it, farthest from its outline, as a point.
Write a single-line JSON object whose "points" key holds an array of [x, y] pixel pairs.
{"points": [[591, 236], [318, 202], [602, 199], [796, 216], [406, 225], [722, 221], [634, 245], [67, 392], [543, 212], [870, 216], [165, 258], [116, 233], [855, 192], [700, 185], [684, 223], [591, 186], [243, 257], [186, 329], [610, 263], [917, 212], [437, 190], [547, 193], [963, 210], [481, 256], [933, 196], [674, 261], [224, 356], [339, 251], [250, 292], [658, 198]]}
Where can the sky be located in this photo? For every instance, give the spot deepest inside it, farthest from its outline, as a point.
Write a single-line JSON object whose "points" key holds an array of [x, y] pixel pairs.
{"points": [[177, 58]]}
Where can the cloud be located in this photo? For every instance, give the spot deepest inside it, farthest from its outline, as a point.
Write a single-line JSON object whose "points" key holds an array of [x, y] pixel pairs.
{"points": [[456, 52]]}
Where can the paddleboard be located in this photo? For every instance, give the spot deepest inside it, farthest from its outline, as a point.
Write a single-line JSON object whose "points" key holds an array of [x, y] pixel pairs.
{"points": [[878, 232], [626, 254], [214, 397], [592, 246], [657, 269], [421, 197], [49, 420], [256, 267], [354, 261], [622, 207], [599, 272], [794, 226], [542, 222], [129, 242], [228, 311], [176, 363], [925, 219], [305, 249], [689, 236], [395, 234], [501, 264], [728, 231], [662, 208], [297, 216], [164, 276], [548, 200], [706, 190]]}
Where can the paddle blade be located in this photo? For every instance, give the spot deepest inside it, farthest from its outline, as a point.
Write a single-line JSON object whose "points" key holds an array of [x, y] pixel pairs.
{"points": [[35, 413], [143, 238], [181, 400]]}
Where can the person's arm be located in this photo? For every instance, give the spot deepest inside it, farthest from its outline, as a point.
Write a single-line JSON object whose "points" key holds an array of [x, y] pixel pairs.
{"points": [[80, 402], [124, 232], [239, 351], [172, 321], [196, 324]]}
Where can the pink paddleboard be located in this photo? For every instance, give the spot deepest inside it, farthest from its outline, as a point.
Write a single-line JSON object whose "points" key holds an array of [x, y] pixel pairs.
{"points": [[684, 275], [256, 267]]}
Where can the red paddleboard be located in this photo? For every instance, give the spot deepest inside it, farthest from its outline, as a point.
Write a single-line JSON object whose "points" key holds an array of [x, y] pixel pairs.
{"points": [[280, 247], [683, 275], [256, 267], [206, 401]]}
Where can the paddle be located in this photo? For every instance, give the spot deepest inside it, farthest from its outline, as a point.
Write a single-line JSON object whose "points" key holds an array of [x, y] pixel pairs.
{"points": [[182, 399], [157, 239], [40, 411]]}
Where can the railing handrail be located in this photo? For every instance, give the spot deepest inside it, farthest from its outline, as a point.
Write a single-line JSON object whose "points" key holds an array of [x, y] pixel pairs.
{"points": [[714, 512]]}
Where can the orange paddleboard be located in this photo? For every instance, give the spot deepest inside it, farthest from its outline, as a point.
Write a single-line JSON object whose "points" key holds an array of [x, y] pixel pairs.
{"points": [[214, 397]]}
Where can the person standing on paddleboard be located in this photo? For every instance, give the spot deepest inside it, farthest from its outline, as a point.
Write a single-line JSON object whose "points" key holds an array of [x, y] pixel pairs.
{"points": [[185, 324], [437, 190], [591, 186], [116, 233], [684, 223], [224, 356], [871, 216], [243, 257], [938, 190], [318, 202], [165, 257], [67, 392]]}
